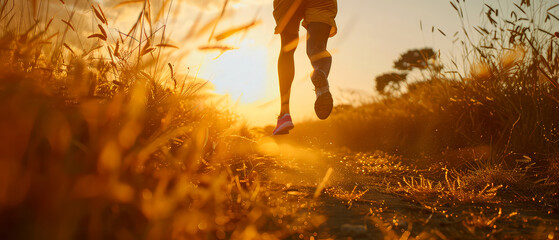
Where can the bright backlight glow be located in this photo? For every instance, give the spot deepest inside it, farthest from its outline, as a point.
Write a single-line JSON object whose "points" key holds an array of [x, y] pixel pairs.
{"points": [[241, 73]]}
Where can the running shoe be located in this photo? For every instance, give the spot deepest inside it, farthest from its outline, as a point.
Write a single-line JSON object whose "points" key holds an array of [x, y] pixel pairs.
{"points": [[324, 102], [284, 125]]}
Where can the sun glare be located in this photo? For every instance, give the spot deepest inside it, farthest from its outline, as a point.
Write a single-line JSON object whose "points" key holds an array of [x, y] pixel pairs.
{"points": [[241, 73]]}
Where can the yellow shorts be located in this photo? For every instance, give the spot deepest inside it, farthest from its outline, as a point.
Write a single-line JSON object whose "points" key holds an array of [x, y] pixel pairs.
{"points": [[289, 13]]}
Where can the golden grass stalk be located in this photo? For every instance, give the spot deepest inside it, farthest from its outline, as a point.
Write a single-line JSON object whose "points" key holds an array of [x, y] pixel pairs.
{"points": [[322, 183], [228, 33], [68, 24], [99, 16]]}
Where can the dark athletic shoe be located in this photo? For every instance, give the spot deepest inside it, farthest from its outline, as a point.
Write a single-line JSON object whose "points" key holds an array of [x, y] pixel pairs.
{"points": [[324, 102], [284, 125]]}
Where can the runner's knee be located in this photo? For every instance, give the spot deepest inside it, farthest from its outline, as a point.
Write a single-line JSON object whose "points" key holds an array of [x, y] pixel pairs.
{"points": [[314, 51], [318, 38], [289, 42]]}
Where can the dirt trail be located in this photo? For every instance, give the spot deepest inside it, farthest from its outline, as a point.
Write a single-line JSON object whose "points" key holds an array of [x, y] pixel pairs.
{"points": [[357, 208], [303, 169]]}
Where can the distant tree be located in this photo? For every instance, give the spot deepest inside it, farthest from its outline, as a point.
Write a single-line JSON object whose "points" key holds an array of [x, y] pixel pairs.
{"points": [[421, 59], [415, 58], [391, 79]]}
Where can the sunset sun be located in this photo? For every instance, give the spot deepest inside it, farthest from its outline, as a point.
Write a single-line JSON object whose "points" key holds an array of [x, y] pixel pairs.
{"points": [[241, 72]]}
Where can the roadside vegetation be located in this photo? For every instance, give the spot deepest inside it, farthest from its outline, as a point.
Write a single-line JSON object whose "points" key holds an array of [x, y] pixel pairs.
{"points": [[102, 137], [482, 128]]}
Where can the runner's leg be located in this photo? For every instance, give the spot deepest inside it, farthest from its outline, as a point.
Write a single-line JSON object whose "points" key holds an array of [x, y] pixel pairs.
{"points": [[321, 61], [286, 68], [316, 46]]}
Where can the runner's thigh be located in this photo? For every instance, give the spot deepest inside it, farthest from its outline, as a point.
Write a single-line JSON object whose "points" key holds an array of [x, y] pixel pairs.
{"points": [[323, 11], [288, 15]]}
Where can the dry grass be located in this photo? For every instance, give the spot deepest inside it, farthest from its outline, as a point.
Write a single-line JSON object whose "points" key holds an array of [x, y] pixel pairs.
{"points": [[102, 138]]}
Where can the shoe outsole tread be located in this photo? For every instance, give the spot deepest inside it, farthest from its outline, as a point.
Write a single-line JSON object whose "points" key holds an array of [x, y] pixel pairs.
{"points": [[324, 102], [323, 105]]}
